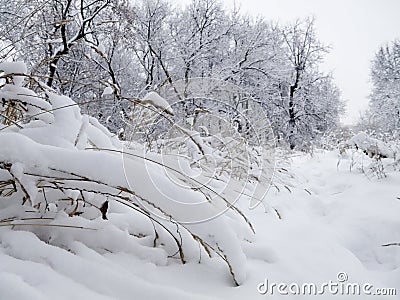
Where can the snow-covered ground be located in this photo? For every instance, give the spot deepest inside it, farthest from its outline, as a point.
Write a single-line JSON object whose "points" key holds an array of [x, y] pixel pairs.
{"points": [[75, 217], [331, 221]]}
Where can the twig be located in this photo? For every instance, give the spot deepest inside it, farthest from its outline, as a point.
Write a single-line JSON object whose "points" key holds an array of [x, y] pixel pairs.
{"points": [[391, 244]]}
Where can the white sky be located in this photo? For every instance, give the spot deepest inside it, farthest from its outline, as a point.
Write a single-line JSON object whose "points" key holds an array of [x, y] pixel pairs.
{"points": [[355, 29]]}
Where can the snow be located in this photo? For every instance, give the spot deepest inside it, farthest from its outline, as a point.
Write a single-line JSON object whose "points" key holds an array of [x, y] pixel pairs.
{"points": [[101, 48], [36, 106], [157, 101], [319, 219], [74, 154], [17, 67], [341, 226], [107, 91], [371, 145]]}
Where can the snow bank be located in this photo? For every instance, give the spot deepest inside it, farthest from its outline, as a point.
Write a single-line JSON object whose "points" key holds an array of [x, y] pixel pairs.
{"points": [[339, 225]]}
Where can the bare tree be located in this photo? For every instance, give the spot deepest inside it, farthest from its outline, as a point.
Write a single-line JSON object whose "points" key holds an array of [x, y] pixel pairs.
{"points": [[80, 47], [304, 52], [385, 97], [198, 34]]}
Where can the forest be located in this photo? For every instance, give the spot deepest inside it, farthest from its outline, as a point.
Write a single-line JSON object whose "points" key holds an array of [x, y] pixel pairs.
{"points": [[152, 149]]}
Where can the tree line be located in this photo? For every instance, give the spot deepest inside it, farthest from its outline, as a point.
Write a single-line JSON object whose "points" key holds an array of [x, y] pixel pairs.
{"points": [[384, 110], [81, 47]]}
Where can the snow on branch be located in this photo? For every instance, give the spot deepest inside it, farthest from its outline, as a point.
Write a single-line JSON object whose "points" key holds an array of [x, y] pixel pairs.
{"points": [[370, 146]]}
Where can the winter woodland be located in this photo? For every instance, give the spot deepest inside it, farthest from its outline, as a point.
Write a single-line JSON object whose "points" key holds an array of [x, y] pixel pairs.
{"points": [[154, 150]]}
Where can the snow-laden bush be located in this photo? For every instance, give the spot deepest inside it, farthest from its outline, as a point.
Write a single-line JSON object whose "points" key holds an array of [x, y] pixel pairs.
{"points": [[370, 155], [371, 146], [66, 178]]}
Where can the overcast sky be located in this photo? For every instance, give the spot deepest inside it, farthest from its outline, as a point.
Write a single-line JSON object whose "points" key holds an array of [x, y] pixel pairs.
{"points": [[355, 29]]}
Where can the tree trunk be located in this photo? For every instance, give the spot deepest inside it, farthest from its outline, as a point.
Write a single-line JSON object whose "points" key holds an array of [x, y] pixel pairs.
{"points": [[292, 113]]}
